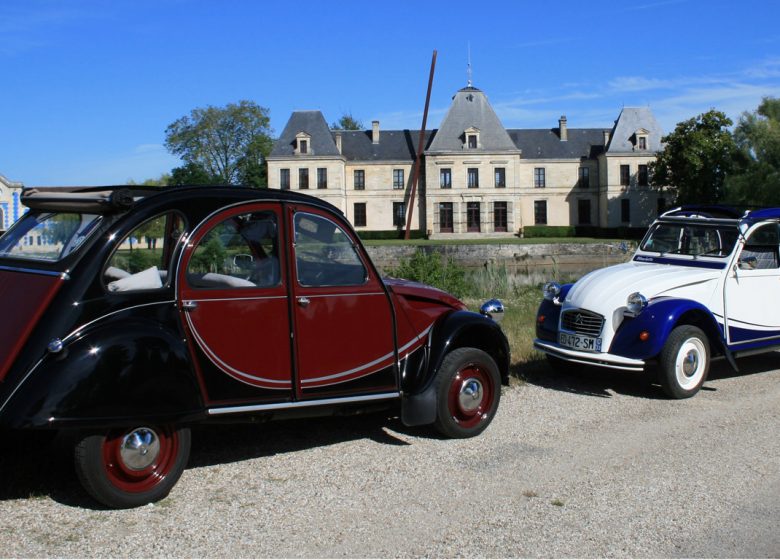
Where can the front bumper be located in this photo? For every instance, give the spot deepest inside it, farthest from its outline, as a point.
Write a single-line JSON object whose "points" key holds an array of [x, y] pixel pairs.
{"points": [[599, 359]]}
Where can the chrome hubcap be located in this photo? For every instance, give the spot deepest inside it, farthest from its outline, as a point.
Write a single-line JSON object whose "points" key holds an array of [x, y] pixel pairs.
{"points": [[690, 363], [139, 449], [470, 396]]}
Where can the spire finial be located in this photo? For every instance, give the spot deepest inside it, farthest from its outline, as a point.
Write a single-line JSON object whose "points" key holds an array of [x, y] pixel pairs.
{"points": [[468, 70]]}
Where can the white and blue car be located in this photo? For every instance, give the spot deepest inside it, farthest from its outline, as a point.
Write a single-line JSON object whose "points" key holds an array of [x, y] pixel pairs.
{"points": [[704, 283]]}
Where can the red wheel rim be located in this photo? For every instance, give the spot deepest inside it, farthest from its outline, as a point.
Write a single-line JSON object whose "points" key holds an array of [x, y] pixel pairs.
{"points": [[137, 460], [470, 398]]}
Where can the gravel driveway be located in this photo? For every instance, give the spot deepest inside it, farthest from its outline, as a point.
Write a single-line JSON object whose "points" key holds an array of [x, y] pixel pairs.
{"points": [[589, 466]]}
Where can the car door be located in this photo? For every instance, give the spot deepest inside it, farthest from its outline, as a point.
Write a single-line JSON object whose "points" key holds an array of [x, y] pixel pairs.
{"points": [[235, 307], [343, 320], [752, 290]]}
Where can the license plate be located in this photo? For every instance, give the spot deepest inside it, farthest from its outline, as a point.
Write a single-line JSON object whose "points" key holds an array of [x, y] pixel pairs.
{"points": [[577, 342]]}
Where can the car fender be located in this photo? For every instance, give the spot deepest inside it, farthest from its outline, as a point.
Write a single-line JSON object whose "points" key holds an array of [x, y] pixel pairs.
{"points": [[548, 316], [130, 370], [457, 329], [658, 320]]}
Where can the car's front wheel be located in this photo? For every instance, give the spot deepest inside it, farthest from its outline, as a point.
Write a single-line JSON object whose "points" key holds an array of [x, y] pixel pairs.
{"points": [[468, 388], [132, 467], [684, 362]]}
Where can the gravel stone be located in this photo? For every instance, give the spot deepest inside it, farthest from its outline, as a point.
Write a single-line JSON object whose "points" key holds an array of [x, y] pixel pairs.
{"points": [[597, 464]]}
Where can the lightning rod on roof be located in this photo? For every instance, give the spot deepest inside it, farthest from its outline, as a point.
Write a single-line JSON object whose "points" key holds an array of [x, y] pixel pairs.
{"points": [[468, 67]]}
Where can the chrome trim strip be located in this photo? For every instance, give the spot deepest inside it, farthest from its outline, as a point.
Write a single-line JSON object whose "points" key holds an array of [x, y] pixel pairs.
{"points": [[231, 371], [63, 275], [595, 358], [343, 295], [366, 365], [18, 385], [302, 404], [253, 298], [77, 330]]}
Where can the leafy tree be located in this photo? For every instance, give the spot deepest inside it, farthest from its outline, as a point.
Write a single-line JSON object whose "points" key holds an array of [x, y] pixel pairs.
{"points": [[758, 136], [347, 122], [696, 159], [224, 141], [162, 181], [192, 174]]}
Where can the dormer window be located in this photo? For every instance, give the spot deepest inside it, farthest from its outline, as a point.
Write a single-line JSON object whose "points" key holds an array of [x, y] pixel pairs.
{"points": [[472, 138], [640, 140], [302, 144]]}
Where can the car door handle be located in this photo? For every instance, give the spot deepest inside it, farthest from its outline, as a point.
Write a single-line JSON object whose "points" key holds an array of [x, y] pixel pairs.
{"points": [[189, 305], [303, 301]]}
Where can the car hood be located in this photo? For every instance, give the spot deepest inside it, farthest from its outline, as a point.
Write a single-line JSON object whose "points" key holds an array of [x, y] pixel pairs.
{"points": [[606, 290], [416, 290]]}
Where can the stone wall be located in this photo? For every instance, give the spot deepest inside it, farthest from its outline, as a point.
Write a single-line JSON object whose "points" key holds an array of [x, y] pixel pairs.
{"points": [[520, 259]]}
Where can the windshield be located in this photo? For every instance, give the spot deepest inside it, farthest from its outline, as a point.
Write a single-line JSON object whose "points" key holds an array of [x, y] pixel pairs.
{"points": [[47, 237], [691, 239]]}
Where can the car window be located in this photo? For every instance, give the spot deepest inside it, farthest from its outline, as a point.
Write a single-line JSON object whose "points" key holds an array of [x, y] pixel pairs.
{"points": [[48, 236], [239, 252], [691, 239], [325, 254], [142, 259], [761, 249]]}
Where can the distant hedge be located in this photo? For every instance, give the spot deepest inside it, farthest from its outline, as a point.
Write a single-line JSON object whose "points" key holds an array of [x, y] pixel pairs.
{"points": [[391, 234], [622, 232], [548, 231]]}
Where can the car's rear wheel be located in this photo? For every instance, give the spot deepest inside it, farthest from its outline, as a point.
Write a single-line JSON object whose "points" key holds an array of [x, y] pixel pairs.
{"points": [[684, 362], [468, 389], [127, 468]]}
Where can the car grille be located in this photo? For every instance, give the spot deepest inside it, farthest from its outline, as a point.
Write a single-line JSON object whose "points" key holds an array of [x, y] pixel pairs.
{"points": [[582, 322]]}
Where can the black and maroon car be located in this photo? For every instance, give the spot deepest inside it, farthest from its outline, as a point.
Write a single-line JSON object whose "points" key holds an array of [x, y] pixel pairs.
{"points": [[132, 313]]}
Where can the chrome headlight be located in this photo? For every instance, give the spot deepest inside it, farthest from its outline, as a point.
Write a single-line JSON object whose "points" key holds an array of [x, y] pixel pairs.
{"points": [[635, 303], [494, 309], [551, 290]]}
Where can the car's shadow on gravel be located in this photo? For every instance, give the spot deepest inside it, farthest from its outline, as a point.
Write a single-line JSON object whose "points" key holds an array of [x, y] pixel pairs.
{"points": [[603, 383], [36, 465]]}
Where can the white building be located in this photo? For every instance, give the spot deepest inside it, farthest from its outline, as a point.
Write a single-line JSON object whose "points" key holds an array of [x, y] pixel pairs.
{"points": [[10, 205], [477, 177]]}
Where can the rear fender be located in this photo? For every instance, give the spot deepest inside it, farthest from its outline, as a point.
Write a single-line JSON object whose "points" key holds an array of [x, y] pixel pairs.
{"points": [[135, 371]]}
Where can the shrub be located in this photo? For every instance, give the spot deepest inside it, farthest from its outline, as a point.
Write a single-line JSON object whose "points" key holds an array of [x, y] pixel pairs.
{"points": [[430, 267], [548, 231], [391, 234]]}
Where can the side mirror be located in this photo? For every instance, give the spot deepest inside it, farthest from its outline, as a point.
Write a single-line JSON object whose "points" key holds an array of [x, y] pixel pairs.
{"points": [[243, 261]]}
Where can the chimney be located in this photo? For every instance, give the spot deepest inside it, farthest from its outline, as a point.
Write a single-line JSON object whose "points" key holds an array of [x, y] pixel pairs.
{"points": [[338, 141], [564, 133], [375, 132], [606, 138]]}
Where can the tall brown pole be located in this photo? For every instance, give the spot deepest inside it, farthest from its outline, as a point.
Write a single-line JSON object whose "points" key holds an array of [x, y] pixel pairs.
{"points": [[420, 147]]}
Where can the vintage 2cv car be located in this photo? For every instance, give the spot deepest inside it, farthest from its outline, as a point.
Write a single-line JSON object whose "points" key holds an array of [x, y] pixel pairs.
{"points": [[704, 283], [134, 312]]}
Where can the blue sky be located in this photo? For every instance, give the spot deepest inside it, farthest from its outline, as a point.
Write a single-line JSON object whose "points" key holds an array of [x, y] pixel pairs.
{"points": [[88, 87]]}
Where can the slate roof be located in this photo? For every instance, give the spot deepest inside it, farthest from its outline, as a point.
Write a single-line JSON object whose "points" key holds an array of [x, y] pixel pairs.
{"points": [[470, 108], [313, 124], [546, 143], [394, 145], [630, 120]]}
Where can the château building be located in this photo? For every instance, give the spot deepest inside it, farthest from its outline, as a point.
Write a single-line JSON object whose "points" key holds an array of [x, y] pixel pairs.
{"points": [[10, 205], [477, 177]]}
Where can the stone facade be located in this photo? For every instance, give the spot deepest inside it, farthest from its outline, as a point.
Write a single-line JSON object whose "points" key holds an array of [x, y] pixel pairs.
{"points": [[10, 205], [477, 178]]}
